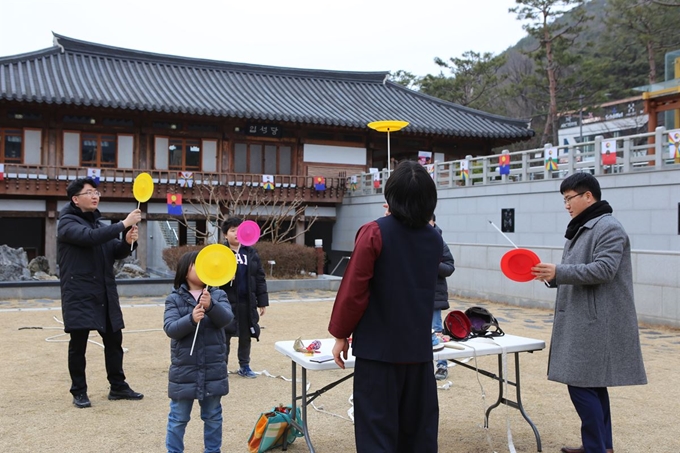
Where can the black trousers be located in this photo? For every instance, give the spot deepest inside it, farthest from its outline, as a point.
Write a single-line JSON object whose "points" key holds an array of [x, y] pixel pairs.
{"points": [[592, 406], [113, 357], [396, 408], [243, 335]]}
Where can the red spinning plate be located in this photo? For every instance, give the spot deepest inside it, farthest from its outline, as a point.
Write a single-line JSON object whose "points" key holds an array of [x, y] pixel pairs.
{"points": [[517, 264]]}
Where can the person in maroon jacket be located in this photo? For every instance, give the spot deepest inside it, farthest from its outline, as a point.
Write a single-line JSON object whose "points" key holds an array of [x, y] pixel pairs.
{"points": [[385, 302]]}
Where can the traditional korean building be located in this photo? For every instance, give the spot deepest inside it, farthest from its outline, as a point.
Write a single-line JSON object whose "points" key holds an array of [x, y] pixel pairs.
{"points": [[80, 108]]}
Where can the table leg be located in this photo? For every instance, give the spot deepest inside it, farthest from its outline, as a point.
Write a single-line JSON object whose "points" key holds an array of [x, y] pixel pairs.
{"points": [[518, 394], [301, 425]]}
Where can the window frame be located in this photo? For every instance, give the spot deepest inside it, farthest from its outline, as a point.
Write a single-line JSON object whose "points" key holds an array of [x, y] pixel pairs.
{"points": [[263, 153], [185, 143], [98, 162], [11, 132]]}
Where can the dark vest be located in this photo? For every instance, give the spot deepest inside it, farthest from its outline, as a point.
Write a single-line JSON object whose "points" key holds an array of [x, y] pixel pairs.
{"points": [[397, 324]]}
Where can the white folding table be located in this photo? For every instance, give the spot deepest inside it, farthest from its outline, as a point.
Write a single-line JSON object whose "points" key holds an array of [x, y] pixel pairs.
{"points": [[476, 347]]}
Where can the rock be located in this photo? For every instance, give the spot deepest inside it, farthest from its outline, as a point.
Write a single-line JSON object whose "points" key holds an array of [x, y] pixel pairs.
{"points": [[130, 270], [39, 264], [13, 264], [43, 276]]}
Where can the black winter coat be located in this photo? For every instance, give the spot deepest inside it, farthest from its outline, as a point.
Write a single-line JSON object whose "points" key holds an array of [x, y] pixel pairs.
{"points": [[203, 373], [446, 268], [86, 252], [257, 293]]}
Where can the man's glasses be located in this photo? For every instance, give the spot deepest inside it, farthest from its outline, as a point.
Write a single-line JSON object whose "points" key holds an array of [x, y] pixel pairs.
{"points": [[89, 193], [567, 200]]}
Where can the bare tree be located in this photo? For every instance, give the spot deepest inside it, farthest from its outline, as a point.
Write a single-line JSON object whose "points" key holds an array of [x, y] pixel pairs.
{"points": [[277, 215]]}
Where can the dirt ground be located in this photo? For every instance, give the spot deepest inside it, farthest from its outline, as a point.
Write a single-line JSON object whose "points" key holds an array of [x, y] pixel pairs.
{"points": [[36, 414]]}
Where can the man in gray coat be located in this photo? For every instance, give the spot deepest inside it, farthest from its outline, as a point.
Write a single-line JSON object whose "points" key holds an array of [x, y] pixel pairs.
{"points": [[595, 342]]}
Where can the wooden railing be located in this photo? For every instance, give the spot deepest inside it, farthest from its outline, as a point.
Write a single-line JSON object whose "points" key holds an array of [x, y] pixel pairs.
{"points": [[634, 153], [41, 180]]}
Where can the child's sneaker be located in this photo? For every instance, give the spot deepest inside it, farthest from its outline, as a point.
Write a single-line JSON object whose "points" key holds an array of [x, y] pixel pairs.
{"points": [[246, 372], [442, 372]]}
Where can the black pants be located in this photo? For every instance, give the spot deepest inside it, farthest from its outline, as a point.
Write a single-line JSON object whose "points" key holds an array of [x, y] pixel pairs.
{"points": [[396, 409], [113, 357], [244, 339], [592, 406]]}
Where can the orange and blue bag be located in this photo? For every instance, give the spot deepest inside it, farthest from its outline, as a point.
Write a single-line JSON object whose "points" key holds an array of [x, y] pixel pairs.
{"points": [[270, 430]]}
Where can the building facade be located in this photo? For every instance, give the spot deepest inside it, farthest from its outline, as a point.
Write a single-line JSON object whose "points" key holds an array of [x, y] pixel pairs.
{"points": [[79, 108]]}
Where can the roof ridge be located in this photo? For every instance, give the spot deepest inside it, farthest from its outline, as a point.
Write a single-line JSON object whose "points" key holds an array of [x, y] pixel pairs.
{"points": [[86, 47]]}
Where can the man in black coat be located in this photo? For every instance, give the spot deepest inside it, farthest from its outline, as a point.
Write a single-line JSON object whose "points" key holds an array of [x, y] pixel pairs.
{"points": [[86, 251]]}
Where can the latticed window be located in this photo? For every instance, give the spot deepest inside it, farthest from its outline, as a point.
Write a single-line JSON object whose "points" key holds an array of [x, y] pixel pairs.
{"points": [[269, 159], [10, 146], [184, 154], [98, 150]]}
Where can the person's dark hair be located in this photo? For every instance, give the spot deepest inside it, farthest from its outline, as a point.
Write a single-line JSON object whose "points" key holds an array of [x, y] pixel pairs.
{"points": [[230, 223], [434, 218], [183, 266], [582, 182], [77, 186], [411, 194]]}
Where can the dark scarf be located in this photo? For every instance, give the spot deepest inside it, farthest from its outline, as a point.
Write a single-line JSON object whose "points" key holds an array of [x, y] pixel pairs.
{"points": [[595, 210]]}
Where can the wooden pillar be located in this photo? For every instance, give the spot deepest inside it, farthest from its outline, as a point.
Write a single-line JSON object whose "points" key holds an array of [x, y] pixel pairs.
{"points": [[51, 235], [299, 228], [142, 244]]}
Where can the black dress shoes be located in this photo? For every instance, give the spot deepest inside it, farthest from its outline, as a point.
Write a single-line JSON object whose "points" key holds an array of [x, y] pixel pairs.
{"points": [[81, 401], [127, 394], [578, 450]]}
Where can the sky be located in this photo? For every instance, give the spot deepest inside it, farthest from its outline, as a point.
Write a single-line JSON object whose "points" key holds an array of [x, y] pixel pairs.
{"points": [[347, 35]]}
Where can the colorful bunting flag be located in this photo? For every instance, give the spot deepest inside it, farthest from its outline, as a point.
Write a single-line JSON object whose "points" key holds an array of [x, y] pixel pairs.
{"points": [[551, 158], [174, 203], [186, 179], [464, 172], [268, 182], [504, 164], [376, 180], [430, 170], [674, 145], [353, 183], [319, 183], [95, 174], [608, 152], [2, 172]]}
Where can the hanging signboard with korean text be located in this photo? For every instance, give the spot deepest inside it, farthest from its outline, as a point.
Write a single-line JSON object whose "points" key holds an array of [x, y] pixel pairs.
{"points": [[263, 130]]}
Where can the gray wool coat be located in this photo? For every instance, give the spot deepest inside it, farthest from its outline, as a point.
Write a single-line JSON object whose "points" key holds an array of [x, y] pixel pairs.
{"points": [[595, 341]]}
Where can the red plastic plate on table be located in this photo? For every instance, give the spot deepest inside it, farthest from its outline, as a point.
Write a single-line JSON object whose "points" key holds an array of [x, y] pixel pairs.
{"points": [[517, 264]]}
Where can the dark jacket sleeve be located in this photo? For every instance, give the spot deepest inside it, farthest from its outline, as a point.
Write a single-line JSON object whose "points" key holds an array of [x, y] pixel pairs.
{"points": [[175, 324], [446, 266], [261, 294], [71, 230]]}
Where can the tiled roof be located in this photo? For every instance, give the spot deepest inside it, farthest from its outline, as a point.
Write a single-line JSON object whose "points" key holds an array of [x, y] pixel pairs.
{"points": [[74, 72]]}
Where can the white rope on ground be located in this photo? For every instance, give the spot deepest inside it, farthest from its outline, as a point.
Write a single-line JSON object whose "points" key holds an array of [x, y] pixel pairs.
{"points": [[54, 338]]}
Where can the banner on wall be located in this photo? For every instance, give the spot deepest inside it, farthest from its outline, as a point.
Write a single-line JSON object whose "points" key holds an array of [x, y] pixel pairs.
{"points": [[504, 164], [268, 182], [319, 183], [174, 203], [186, 179], [424, 157], [674, 145], [464, 172], [551, 158], [608, 152], [95, 174]]}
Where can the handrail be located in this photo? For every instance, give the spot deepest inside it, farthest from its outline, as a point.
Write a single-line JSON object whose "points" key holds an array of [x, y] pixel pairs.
{"points": [[634, 153]]}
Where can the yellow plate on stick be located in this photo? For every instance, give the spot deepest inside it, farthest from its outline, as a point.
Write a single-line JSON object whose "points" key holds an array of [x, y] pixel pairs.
{"points": [[142, 187], [215, 265]]}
